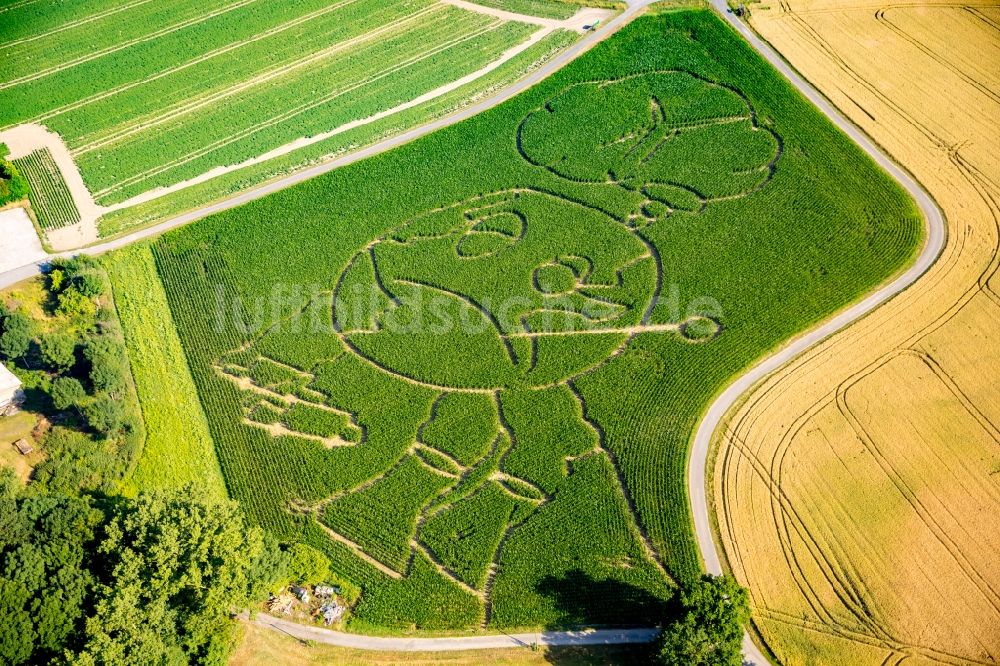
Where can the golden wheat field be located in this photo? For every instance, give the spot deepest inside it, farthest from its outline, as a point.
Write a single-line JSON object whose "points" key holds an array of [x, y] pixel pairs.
{"points": [[858, 490]]}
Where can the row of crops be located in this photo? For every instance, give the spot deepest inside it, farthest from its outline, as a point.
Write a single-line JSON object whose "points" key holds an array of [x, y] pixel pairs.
{"points": [[50, 198], [519, 472], [199, 85]]}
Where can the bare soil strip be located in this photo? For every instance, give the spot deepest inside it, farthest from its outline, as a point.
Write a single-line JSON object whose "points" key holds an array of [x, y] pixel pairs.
{"points": [[585, 16]]}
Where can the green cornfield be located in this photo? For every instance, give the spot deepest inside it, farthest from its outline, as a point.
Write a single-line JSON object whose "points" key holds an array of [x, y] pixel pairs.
{"points": [[469, 369]]}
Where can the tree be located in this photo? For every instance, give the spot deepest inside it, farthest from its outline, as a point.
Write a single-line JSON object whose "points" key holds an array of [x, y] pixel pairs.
{"points": [[58, 351], [17, 636], [67, 392], [708, 629], [107, 363], [145, 581], [307, 566], [44, 576], [105, 415], [73, 303], [178, 566], [56, 280], [89, 283], [16, 335]]}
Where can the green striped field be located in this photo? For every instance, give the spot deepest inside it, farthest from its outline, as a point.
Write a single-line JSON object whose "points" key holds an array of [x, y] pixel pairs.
{"points": [[50, 198], [149, 95]]}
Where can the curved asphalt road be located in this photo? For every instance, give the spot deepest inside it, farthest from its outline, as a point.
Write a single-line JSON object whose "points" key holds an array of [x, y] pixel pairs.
{"points": [[697, 483], [697, 465]]}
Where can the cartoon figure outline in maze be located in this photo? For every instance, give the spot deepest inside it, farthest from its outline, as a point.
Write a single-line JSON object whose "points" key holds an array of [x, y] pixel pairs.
{"points": [[514, 291], [640, 133]]}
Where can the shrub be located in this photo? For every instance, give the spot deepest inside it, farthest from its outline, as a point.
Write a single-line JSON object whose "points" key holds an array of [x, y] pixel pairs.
{"points": [[13, 185], [56, 280], [67, 392], [73, 303], [58, 351], [105, 415], [89, 284], [16, 336], [307, 566]]}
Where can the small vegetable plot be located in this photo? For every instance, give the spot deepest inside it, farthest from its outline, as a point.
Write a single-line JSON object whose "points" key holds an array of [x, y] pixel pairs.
{"points": [[49, 196]]}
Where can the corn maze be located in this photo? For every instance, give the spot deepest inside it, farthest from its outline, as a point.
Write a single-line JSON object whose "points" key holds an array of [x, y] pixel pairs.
{"points": [[467, 369]]}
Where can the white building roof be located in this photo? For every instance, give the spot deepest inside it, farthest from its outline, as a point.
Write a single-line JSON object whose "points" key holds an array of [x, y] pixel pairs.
{"points": [[8, 382]]}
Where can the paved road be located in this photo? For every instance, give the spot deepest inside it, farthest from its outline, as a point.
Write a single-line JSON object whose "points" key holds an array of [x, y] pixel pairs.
{"points": [[633, 9], [395, 644], [697, 483]]}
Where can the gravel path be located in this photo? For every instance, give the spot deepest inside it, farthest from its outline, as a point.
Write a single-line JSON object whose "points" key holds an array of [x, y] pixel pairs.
{"points": [[450, 643]]}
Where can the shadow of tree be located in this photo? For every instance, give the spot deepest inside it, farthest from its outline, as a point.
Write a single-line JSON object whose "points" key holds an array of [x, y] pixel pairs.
{"points": [[583, 601]]}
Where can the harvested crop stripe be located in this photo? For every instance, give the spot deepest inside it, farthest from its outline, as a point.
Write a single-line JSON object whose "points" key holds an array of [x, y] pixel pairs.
{"points": [[854, 485]]}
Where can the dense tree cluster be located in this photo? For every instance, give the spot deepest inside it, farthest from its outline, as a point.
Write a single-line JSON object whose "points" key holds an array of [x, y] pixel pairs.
{"points": [[69, 353], [119, 582]]}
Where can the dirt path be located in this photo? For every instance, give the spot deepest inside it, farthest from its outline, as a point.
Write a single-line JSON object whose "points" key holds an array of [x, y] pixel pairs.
{"points": [[25, 139], [585, 16], [404, 644]]}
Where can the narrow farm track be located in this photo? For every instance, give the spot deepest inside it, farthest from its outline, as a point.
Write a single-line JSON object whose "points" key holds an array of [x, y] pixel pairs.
{"points": [[544, 638], [713, 416]]}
